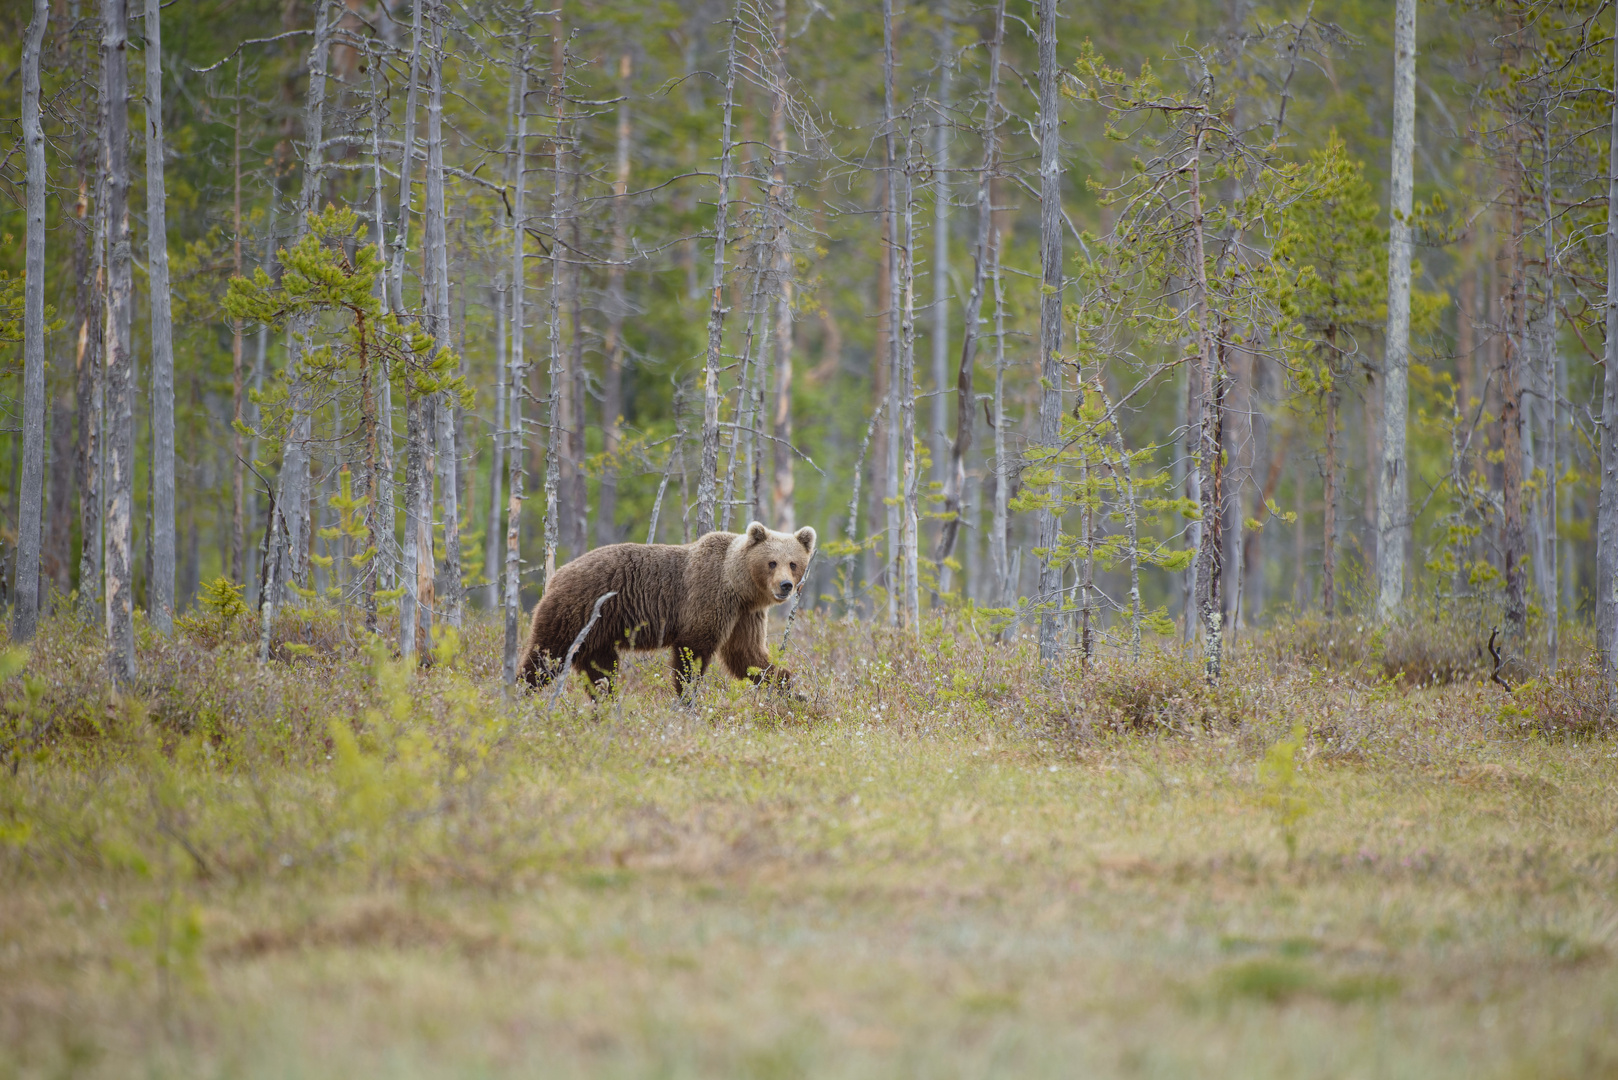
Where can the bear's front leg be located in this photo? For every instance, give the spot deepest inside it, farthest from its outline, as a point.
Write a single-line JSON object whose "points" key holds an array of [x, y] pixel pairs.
{"points": [[747, 654]]}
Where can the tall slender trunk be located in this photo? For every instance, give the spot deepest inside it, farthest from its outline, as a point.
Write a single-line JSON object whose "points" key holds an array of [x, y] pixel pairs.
{"points": [[783, 481], [160, 595], [612, 379], [1050, 318], [575, 502], [410, 555], [998, 557], [491, 532], [556, 389], [379, 511], [1392, 498], [447, 586], [1328, 542], [1210, 461], [1545, 555], [120, 393], [88, 301], [910, 545], [1607, 502], [708, 478], [289, 542], [940, 269], [896, 388], [965, 403], [30, 508], [238, 476], [516, 380], [1514, 538]]}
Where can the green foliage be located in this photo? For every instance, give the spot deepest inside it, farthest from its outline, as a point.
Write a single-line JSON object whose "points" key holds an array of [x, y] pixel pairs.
{"points": [[1286, 793]]}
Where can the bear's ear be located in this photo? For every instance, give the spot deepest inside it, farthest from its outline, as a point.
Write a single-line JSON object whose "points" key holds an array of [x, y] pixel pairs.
{"points": [[757, 533], [806, 537]]}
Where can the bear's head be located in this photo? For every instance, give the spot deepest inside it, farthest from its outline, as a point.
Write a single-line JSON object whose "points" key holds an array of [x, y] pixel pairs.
{"points": [[774, 562]]}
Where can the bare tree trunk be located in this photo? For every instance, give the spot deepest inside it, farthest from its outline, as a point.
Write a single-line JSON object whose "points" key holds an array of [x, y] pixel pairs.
{"points": [[1210, 463], [238, 478], [1050, 315], [940, 268], [120, 403], [575, 501], [1514, 539], [1328, 542], [965, 403], [491, 534], [612, 381], [30, 506], [895, 446], [516, 380], [783, 481], [447, 587], [1549, 407], [1607, 504], [556, 388], [910, 541], [707, 479], [1392, 497], [89, 268], [998, 556], [410, 555], [160, 595], [289, 543]]}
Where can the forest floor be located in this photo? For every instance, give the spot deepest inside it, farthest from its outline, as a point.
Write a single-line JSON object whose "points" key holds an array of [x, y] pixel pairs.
{"points": [[938, 865]]}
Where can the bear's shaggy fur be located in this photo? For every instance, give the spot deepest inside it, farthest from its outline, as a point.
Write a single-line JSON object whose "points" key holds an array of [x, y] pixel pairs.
{"points": [[709, 596]]}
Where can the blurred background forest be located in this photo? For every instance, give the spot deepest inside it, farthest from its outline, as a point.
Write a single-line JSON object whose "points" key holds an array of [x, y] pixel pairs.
{"points": [[863, 189]]}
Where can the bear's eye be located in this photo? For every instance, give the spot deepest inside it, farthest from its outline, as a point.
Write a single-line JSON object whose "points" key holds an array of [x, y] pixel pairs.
{"points": [[772, 564], [794, 568]]}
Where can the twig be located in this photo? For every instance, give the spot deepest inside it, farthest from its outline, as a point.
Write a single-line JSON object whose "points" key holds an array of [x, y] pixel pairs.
{"points": [[1494, 651], [573, 650]]}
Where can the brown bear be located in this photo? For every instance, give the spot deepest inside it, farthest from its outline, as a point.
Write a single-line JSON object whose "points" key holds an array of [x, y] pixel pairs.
{"points": [[709, 596]]}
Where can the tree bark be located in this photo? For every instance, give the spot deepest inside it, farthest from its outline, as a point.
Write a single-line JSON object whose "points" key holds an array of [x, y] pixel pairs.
{"points": [[783, 483], [1607, 502], [410, 555], [31, 503], [940, 268], [238, 479], [120, 391], [612, 381], [516, 380], [1210, 462], [556, 388], [965, 403], [1514, 535], [289, 541], [1328, 540], [447, 587], [1392, 497], [1050, 317], [895, 444], [160, 594], [708, 478]]}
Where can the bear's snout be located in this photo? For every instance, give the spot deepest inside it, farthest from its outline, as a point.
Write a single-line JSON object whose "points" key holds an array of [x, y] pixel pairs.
{"points": [[783, 588]]}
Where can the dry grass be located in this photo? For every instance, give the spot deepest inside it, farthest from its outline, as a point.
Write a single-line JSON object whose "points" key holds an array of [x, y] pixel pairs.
{"points": [[935, 865]]}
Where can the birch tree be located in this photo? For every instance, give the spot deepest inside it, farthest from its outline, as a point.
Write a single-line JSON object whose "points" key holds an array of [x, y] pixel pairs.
{"points": [[713, 359], [30, 505], [1607, 505], [783, 481], [983, 251], [517, 379], [1050, 313], [120, 376], [1392, 482], [160, 597], [617, 309], [447, 587]]}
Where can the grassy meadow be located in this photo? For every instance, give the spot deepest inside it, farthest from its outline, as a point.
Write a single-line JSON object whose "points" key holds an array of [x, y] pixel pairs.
{"points": [[937, 864]]}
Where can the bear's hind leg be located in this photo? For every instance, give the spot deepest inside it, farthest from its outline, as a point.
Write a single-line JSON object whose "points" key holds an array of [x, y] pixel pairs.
{"points": [[600, 668]]}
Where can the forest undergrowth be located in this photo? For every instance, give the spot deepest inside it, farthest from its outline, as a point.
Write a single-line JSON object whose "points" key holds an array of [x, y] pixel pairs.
{"points": [[1359, 854]]}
